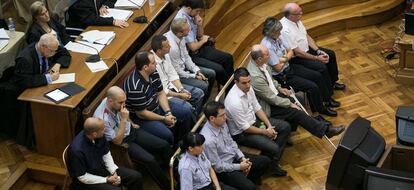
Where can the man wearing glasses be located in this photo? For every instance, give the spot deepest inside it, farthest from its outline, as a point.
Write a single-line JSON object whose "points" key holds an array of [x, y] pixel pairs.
{"points": [[307, 52], [39, 63]]}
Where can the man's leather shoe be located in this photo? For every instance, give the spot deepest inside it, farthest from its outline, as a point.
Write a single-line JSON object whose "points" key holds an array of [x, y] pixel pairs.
{"points": [[278, 171], [333, 103], [333, 131], [329, 112], [338, 86]]}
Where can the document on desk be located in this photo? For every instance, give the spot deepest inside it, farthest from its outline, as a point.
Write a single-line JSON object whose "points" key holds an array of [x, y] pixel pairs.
{"points": [[97, 66], [65, 78], [119, 14], [4, 38], [129, 4], [84, 47], [100, 37]]}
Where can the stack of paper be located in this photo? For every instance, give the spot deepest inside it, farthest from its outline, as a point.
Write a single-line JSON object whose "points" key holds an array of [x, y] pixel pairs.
{"points": [[129, 4], [65, 78], [97, 66], [84, 47], [4, 38], [119, 14], [100, 37]]}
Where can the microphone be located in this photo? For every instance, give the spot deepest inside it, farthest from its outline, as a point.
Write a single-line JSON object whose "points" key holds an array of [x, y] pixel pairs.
{"points": [[140, 19], [94, 57]]}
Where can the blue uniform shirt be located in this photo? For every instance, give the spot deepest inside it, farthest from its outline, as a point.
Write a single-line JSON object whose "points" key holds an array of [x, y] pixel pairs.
{"points": [[194, 171], [276, 51]]}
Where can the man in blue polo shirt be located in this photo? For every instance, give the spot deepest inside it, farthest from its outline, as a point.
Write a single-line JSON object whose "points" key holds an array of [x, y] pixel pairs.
{"points": [[141, 144], [148, 103], [90, 163], [201, 46]]}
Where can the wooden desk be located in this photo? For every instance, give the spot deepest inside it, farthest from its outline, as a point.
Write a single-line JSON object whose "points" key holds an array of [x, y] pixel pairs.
{"points": [[55, 124], [405, 70], [9, 53]]}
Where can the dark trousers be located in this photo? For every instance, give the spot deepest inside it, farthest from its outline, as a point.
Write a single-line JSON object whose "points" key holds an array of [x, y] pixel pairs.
{"points": [[271, 148], [296, 116], [212, 187], [329, 71], [221, 62], [306, 80], [129, 178], [239, 180], [141, 147]]}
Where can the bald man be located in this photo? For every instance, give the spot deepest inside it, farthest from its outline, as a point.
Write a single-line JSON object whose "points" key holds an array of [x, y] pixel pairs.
{"points": [[307, 52], [90, 163], [274, 99], [39, 63], [141, 144]]}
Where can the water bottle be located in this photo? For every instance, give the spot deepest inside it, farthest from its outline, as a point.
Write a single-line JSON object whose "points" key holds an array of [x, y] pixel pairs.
{"points": [[12, 28], [262, 125], [151, 3]]}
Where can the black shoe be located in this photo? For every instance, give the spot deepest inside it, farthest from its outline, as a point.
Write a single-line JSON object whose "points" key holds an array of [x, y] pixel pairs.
{"points": [[278, 171], [329, 112], [338, 86], [333, 131], [333, 103]]}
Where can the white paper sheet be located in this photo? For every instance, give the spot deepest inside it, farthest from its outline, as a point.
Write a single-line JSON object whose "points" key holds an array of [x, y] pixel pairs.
{"points": [[129, 4], [65, 78], [84, 47], [100, 37], [3, 34], [3, 43], [97, 66], [119, 14]]}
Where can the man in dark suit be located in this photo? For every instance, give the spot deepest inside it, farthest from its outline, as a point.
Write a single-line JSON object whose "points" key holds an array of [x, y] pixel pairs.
{"points": [[85, 13], [39, 63]]}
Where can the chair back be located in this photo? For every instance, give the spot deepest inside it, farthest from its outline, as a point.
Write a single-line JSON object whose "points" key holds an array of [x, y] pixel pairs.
{"points": [[61, 9], [65, 158]]}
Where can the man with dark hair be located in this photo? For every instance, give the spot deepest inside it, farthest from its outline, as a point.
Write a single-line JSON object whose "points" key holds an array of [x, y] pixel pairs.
{"points": [[149, 105], [90, 163], [84, 13], [141, 144], [267, 134], [189, 72], [230, 164], [170, 80], [201, 46], [307, 53], [273, 98], [295, 75]]}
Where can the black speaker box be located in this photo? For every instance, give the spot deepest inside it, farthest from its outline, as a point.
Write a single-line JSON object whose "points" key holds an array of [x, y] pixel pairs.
{"points": [[405, 125], [409, 22]]}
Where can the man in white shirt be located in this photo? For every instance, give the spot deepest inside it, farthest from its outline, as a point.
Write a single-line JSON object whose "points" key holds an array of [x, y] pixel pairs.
{"points": [[169, 78], [189, 72], [306, 50], [267, 134]]}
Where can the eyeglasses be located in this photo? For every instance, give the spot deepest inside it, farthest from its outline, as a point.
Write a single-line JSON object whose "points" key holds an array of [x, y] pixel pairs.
{"points": [[296, 14]]}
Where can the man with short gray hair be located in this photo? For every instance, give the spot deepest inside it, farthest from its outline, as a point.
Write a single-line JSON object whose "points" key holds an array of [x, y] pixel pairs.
{"points": [[39, 63]]}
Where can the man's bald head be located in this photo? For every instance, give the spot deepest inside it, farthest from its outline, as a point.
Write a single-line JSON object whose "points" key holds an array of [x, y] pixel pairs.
{"points": [[48, 45], [114, 92], [260, 54], [92, 125], [116, 98], [292, 11]]}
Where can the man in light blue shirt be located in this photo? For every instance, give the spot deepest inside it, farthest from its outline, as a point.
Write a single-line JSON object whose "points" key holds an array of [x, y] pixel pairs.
{"points": [[201, 46], [230, 164], [141, 144]]}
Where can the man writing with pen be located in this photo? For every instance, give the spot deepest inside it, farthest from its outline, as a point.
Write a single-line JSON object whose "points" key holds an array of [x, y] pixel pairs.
{"points": [[39, 64]]}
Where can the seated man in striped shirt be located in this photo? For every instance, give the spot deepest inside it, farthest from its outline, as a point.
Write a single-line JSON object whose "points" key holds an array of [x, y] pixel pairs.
{"points": [[148, 103]]}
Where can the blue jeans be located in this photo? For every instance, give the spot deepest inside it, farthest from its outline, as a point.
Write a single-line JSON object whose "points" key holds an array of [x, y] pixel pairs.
{"points": [[203, 85], [196, 100]]}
